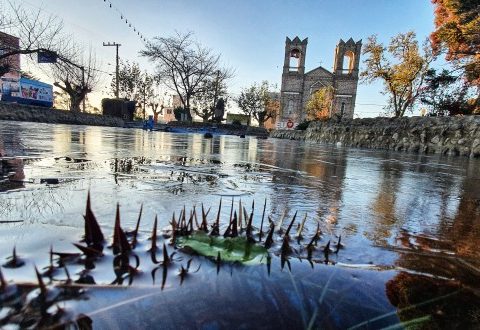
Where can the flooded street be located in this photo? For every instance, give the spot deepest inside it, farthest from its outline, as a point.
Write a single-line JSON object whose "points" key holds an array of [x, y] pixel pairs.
{"points": [[409, 224]]}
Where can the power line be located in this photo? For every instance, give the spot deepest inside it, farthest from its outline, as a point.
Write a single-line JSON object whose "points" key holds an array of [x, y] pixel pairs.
{"points": [[372, 104], [126, 20], [109, 73], [69, 22]]}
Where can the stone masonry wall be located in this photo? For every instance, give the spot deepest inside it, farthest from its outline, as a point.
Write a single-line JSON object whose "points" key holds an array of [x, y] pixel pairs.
{"points": [[19, 112], [441, 135]]}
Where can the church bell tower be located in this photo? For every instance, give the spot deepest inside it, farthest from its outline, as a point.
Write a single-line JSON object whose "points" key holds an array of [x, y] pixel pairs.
{"points": [[345, 79], [291, 92]]}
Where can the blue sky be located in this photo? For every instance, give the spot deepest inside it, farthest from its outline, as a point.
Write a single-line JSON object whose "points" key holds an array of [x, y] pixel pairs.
{"points": [[250, 34]]}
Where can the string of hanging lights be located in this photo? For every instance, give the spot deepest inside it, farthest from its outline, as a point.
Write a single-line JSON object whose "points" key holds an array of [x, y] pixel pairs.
{"points": [[126, 20]]}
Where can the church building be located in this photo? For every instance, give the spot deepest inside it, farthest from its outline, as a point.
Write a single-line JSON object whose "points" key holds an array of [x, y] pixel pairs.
{"points": [[298, 85]]}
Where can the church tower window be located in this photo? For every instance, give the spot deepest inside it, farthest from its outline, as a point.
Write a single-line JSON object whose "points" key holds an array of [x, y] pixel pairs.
{"points": [[295, 55], [348, 58], [290, 107]]}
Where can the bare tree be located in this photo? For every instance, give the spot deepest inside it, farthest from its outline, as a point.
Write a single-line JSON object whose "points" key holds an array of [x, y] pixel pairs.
{"points": [[37, 32], [183, 65], [75, 73]]}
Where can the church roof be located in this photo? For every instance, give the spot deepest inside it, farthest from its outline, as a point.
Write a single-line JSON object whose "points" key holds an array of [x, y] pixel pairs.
{"points": [[297, 40], [350, 42], [320, 70]]}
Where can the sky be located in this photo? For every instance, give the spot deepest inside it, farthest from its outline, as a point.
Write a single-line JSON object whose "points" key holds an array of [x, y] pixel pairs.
{"points": [[249, 34]]}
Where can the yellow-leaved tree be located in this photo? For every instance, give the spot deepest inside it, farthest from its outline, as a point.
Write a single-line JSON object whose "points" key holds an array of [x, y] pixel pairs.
{"points": [[401, 67], [320, 104]]}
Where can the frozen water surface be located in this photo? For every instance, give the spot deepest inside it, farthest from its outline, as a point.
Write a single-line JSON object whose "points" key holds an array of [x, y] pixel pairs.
{"points": [[410, 225]]}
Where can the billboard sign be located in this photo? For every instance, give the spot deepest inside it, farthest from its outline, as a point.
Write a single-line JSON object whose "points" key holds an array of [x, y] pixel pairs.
{"points": [[26, 91], [9, 87], [35, 90]]}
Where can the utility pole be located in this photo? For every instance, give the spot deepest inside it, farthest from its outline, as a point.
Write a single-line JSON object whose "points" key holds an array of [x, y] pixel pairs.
{"points": [[114, 44], [83, 85], [144, 98], [215, 96]]}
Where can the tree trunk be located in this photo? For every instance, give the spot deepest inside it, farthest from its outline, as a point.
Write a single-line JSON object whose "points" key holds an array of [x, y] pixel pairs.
{"points": [[187, 107], [75, 103]]}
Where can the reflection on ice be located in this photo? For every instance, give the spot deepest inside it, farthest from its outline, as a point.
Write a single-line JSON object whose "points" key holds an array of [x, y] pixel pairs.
{"points": [[405, 221]]}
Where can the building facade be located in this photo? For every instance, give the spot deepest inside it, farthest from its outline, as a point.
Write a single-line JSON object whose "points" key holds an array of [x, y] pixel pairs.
{"points": [[298, 85], [9, 65]]}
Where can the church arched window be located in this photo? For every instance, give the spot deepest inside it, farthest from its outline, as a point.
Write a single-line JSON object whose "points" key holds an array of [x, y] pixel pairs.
{"points": [[348, 61], [295, 55], [290, 107]]}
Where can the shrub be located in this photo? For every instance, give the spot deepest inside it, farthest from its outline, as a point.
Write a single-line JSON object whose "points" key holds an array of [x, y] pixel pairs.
{"points": [[182, 114], [303, 126]]}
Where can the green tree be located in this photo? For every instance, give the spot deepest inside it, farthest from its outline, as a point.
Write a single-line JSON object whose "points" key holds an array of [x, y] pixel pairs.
{"points": [[401, 67], [181, 114], [219, 110], [147, 96], [255, 101], [205, 100], [445, 94], [135, 85], [320, 104], [129, 79], [249, 101]]}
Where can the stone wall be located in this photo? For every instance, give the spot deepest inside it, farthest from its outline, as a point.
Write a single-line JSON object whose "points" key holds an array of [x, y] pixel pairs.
{"points": [[19, 112], [288, 134], [441, 135]]}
